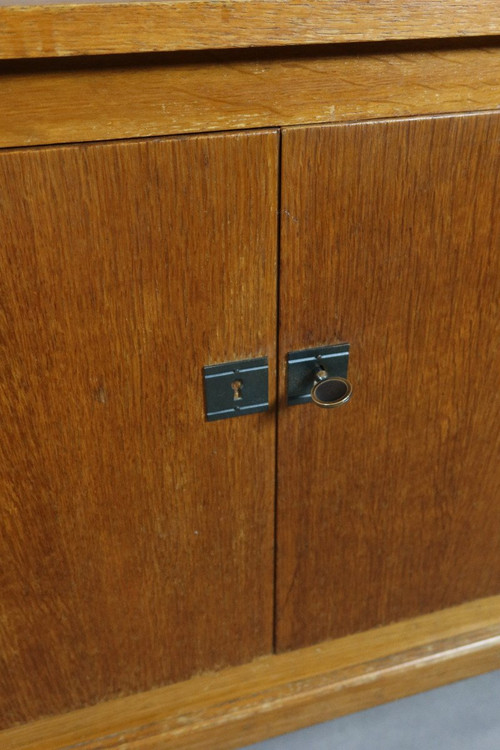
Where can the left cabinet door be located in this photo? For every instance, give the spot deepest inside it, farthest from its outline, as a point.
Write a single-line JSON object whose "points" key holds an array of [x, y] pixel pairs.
{"points": [[137, 539]]}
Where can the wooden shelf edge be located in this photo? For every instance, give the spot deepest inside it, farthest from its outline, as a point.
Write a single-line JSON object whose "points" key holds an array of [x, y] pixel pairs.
{"points": [[285, 692], [29, 30]]}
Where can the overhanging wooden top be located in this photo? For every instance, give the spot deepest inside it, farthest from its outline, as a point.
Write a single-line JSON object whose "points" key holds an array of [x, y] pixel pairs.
{"points": [[52, 29]]}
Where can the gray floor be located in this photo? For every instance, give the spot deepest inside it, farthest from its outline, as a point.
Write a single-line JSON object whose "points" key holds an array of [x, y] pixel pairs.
{"points": [[461, 716]]}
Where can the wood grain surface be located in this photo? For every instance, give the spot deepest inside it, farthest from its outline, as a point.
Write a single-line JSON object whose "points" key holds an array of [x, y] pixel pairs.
{"points": [[389, 506], [134, 549], [49, 30], [277, 694], [64, 101]]}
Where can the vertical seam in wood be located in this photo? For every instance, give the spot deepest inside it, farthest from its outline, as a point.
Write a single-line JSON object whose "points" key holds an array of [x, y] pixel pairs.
{"points": [[279, 188]]}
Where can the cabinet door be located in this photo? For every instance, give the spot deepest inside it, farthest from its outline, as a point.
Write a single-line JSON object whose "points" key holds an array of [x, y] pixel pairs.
{"points": [[137, 539], [389, 506]]}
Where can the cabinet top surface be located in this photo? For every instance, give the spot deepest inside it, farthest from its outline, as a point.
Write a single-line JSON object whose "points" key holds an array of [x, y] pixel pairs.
{"points": [[51, 28]]}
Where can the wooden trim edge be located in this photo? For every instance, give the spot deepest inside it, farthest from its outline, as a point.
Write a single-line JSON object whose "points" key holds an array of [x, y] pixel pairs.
{"points": [[28, 29], [282, 693], [54, 102]]}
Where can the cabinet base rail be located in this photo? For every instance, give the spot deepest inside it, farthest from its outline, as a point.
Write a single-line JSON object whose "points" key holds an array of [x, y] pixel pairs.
{"points": [[281, 693]]}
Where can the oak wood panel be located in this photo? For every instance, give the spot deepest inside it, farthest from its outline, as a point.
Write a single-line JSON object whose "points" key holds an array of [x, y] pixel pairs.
{"points": [[277, 694], [64, 101], [389, 507], [48, 30], [135, 551]]}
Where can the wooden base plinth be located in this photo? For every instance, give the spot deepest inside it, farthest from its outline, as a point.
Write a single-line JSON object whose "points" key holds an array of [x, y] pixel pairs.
{"points": [[277, 694]]}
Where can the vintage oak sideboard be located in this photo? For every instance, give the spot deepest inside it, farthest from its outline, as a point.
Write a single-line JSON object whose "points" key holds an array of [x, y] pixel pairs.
{"points": [[186, 184]]}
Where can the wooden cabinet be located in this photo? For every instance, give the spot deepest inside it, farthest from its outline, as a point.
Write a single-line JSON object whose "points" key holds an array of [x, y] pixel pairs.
{"points": [[140, 544], [143, 545]]}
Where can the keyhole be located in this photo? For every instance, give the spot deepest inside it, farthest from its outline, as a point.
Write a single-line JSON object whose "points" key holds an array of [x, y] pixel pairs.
{"points": [[237, 385]]}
